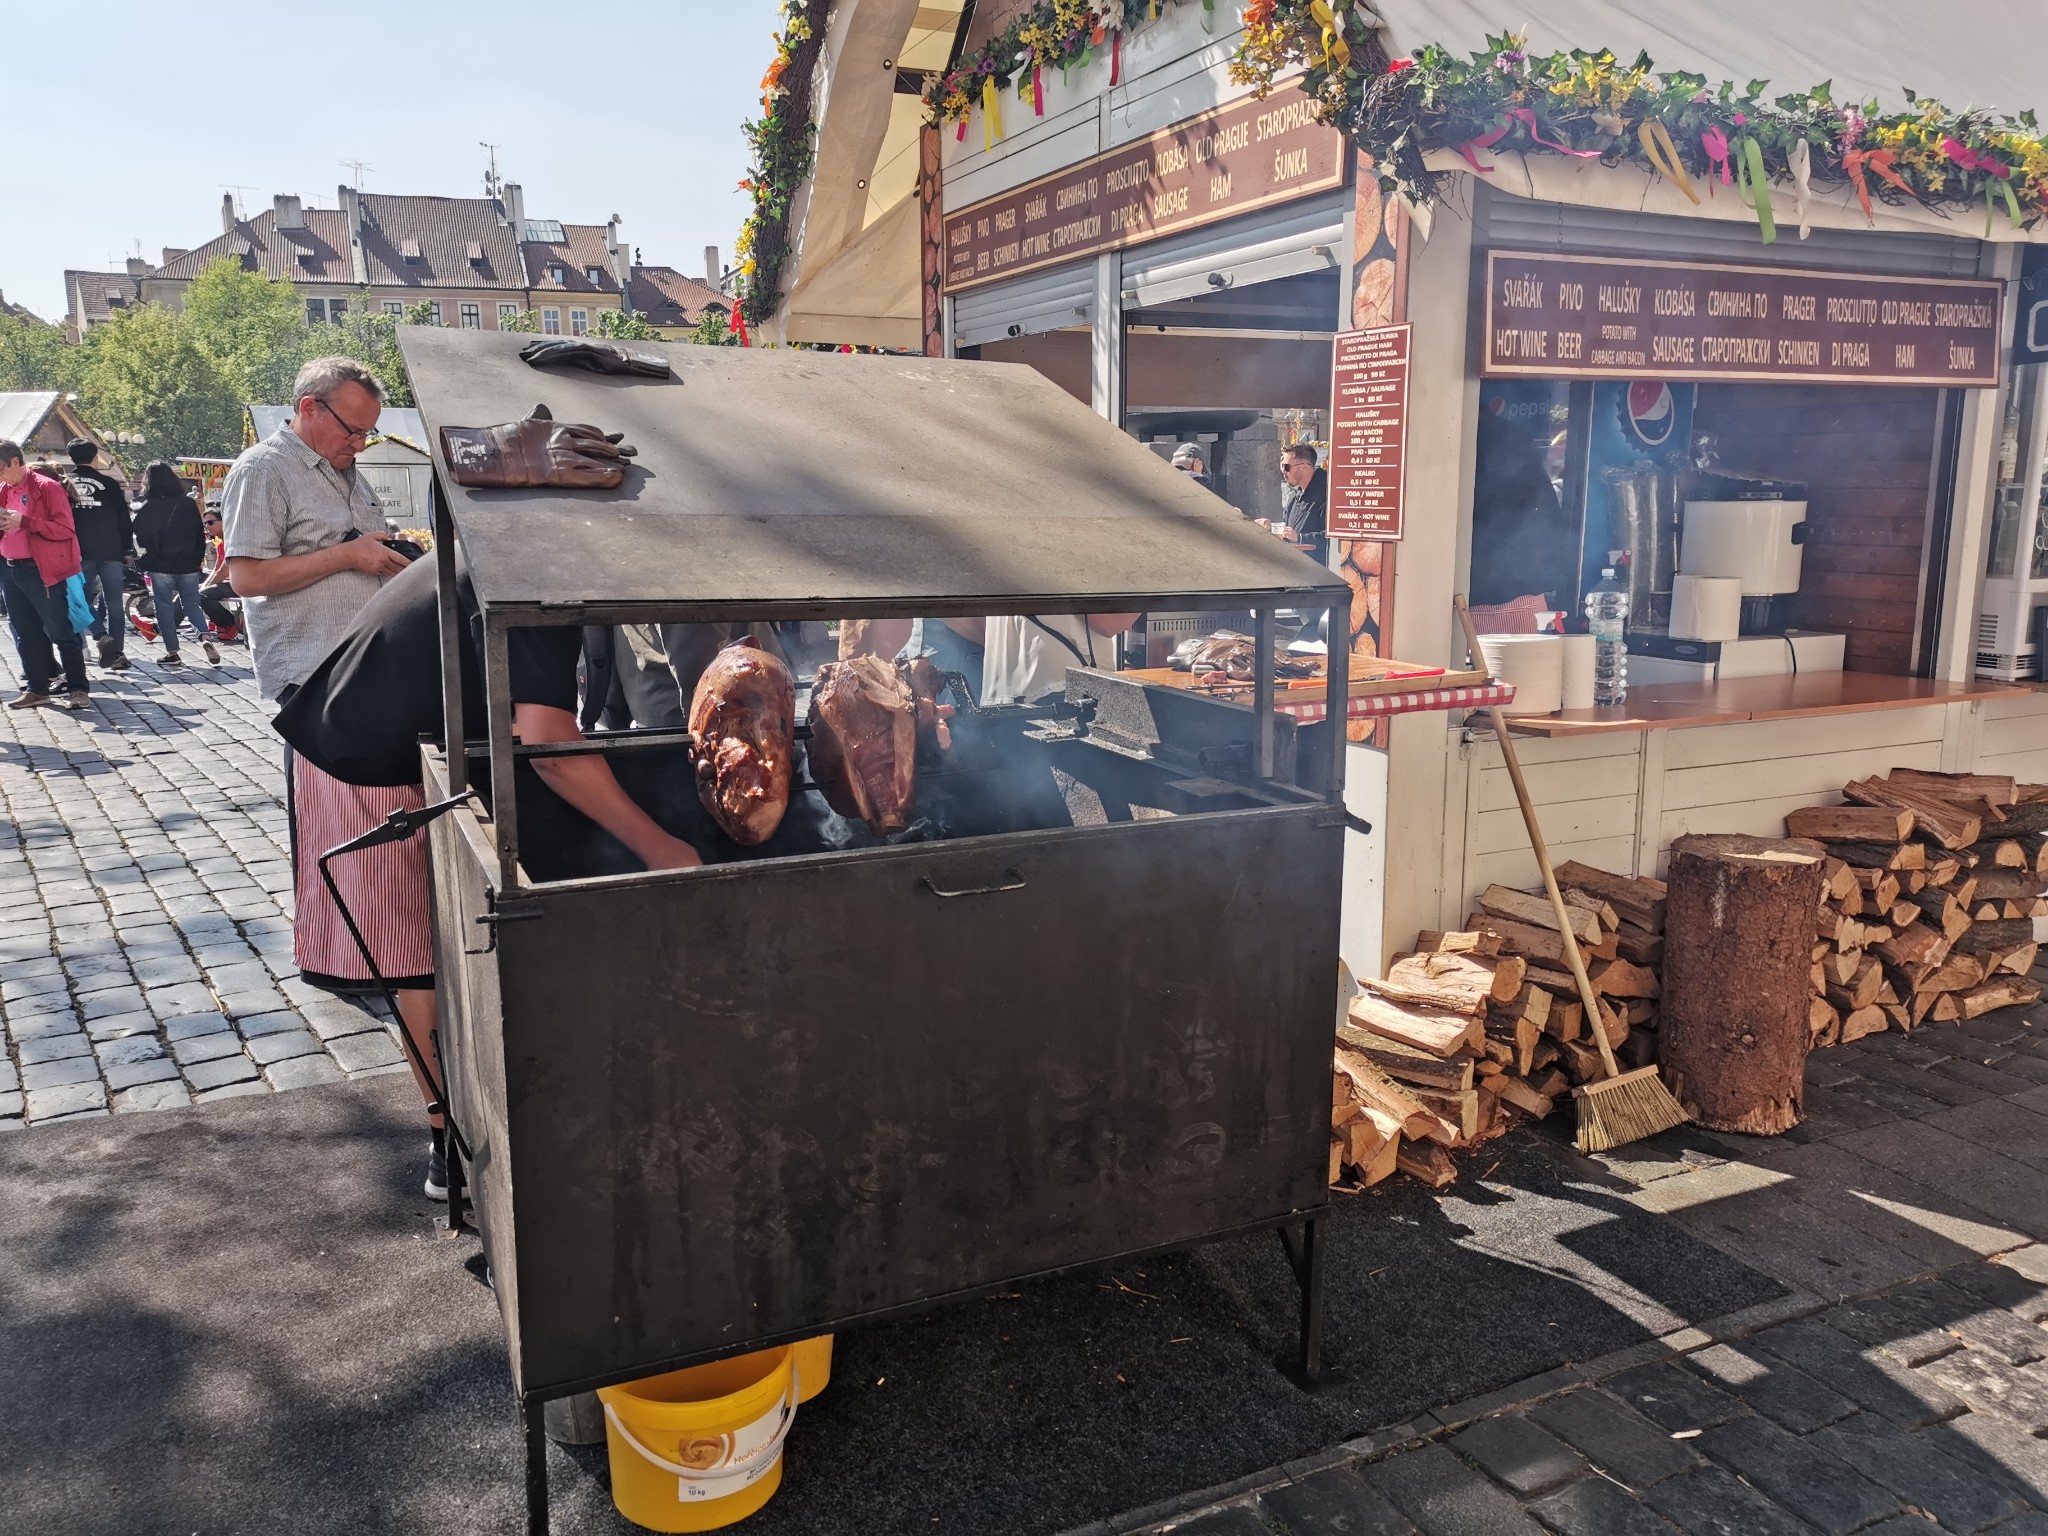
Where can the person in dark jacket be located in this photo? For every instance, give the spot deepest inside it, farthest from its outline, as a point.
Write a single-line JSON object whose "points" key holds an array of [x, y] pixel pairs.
{"points": [[173, 541], [106, 540], [1305, 504]]}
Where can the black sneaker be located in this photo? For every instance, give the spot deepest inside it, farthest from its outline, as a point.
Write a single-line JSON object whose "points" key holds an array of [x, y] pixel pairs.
{"points": [[171, 659], [437, 1166]]}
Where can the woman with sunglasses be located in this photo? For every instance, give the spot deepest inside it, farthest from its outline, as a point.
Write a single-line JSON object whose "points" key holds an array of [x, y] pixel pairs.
{"points": [[173, 540]]}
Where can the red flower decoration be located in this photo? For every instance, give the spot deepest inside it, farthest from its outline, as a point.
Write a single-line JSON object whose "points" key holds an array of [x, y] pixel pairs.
{"points": [[1395, 66]]}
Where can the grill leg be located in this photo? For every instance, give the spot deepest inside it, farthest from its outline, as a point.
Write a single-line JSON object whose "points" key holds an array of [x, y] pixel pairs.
{"points": [[1308, 1261], [536, 1467], [457, 1185]]}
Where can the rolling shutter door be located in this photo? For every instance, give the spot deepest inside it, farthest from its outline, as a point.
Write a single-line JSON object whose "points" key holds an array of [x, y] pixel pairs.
{"points": [[1308, 236], [1052, 300]]}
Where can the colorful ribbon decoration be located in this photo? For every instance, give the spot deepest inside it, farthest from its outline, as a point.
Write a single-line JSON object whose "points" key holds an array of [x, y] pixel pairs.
{"points": [[1663, 156], [1037, 91], [1754, 187], [1527, 119], [1714, 143], [1471, 148], [1334, 46], [1857, 162], [991, 113], [1800, 163], [1116, 55], [1997, 179]]}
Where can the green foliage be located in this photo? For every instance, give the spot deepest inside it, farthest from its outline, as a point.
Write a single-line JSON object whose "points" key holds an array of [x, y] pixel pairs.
{"points": [[370, 338], [617, 325], [714, 330], [254, 328], [526, 321], [35, 356], [145, 371]]}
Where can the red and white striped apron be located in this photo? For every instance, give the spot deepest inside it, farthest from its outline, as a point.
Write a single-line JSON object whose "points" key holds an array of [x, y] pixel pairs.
{"points": [[385, 887]]}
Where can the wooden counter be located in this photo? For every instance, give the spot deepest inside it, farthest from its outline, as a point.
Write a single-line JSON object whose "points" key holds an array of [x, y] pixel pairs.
{"points": [[1680, 705]]}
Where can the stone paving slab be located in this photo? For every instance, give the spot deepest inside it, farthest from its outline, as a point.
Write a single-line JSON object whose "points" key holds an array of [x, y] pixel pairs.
{"points": [[145, 902]]}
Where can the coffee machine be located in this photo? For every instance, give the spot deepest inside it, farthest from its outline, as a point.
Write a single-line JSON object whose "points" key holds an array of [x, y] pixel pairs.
{"points": [[1753, 530]]}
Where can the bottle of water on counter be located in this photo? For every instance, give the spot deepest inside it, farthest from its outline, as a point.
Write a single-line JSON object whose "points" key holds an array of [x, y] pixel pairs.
{"points": [[1606, 614]]}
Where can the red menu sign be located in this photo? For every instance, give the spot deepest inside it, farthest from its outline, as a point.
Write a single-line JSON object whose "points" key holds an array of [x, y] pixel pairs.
{"points": [[1369, 433], [1557, 316]]}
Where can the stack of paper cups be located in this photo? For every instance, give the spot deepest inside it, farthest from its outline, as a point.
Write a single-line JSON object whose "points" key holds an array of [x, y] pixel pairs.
{"points": [[1706, 607], [1534, 664], [1579, 651]]}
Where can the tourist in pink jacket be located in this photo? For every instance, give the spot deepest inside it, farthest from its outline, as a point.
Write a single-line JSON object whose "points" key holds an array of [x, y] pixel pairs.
{"points": [[40, 545]]}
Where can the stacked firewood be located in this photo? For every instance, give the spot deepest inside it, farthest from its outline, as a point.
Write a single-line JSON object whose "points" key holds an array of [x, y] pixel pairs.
{"points": [[1478, 1027], [1930, 892]]}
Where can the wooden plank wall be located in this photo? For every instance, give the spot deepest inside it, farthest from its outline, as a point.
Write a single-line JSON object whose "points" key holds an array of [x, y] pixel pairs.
{"points": [[1585, 796], [2012, 737], [1868, 454]]}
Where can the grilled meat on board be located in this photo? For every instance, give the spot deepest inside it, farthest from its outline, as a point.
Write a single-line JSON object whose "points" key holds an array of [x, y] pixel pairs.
{"points": [[743, 740]]}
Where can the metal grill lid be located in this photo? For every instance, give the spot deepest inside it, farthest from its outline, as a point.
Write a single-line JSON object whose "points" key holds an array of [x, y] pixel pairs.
{"points": [[787, 484]]}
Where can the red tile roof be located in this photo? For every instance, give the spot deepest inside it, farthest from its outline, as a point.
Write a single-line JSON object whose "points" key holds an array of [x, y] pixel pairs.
{"points": [[666, 297], [581, 248]]}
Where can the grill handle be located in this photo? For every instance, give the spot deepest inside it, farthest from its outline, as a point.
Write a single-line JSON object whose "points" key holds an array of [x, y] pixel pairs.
{"points": [[1014, 882]]}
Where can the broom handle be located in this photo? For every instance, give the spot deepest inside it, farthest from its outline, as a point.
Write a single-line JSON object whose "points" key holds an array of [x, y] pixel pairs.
{"points": [[1564, 920]]}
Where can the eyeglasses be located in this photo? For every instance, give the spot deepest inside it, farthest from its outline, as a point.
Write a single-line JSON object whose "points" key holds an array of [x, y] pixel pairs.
{"points": [[361, 434]]}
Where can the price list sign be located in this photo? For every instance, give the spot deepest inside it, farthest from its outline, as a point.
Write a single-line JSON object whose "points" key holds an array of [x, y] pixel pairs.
{"points": [[1369, 433]]}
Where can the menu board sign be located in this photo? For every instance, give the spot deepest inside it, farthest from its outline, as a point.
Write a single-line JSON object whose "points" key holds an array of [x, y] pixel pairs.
{"points": [[1368, 433], [1555, 316], [1247, 155]]}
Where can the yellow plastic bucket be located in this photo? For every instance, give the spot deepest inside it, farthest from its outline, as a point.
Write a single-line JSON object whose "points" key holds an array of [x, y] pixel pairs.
{"points": [[813, 1366], [698, 1449]]}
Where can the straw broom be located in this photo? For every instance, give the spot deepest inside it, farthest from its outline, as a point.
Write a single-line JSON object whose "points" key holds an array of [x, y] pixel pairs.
{"points": [[1628, 1106]]}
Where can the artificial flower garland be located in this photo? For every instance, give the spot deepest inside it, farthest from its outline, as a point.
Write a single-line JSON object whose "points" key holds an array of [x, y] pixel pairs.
{"points": [[1053, 34], [1591, 106], [783, 149]]}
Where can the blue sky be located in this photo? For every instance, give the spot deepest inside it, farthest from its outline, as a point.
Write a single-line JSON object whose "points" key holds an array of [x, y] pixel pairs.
{"points": [[125, 122]]}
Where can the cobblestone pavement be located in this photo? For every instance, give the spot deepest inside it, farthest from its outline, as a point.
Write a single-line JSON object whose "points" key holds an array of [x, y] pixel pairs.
{"points": [[145, 904], [1900, 1388]]}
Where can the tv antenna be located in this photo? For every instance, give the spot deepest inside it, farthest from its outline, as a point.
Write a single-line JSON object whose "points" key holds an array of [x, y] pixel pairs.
{"points": [[358, 166], [493, 187], [228, 186]]}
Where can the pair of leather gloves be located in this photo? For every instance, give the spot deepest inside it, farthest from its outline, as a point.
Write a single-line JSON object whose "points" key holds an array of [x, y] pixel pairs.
{"points": [[538, 451]]}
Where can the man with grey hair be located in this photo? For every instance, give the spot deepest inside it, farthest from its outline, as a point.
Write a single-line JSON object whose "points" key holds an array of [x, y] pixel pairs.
{"points": [[306, 539]]}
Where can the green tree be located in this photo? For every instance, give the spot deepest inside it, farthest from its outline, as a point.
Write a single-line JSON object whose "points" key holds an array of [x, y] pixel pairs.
{"points": [[713, 330], [144, 371], [370, 338], [527, 321], [254, 328], [617, 325], [34, 355]]}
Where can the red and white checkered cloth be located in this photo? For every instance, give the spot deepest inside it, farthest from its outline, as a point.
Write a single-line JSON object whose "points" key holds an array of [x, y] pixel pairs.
{"points": [[1476, 696]]}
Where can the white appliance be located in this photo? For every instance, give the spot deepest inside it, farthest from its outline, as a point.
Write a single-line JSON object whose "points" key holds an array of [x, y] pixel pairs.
{"points": [[1759, 542], [1659, 658]]}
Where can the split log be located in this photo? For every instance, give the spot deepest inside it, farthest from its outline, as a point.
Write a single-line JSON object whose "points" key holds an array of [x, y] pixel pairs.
{"points": [[1543, 945], [1520, 1037], [1638, 901], [1999, 992], [1943, 870], [1431, 1164], [1850, 823], [1841, 965], [1520, 907], [1428, 943], [1525, 1098], [1958, 973], [1838, 880], [1378, 1091], [1531, 1003], [1946, 1010], [1736, 988], [1618, 978], [1881, 855], [1864, 1021], [2009, 884], [1861, 990], [1406, 1063], [1897, 1017], [1639, 944], [1582, 1062], [1983, 938], [2019, 961], [1934, 819], [1441, 1034], [1901, 914], [1998, 789], [1820, 1018], [1453, 983], [1943, 912], [1372, 1151], [1880, 887], [1586, 901], [1915, 948], [1457, 1115]]}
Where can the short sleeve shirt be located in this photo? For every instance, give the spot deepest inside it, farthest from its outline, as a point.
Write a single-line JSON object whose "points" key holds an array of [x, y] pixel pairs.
{"points": [[1026, 659], [282, 498]]}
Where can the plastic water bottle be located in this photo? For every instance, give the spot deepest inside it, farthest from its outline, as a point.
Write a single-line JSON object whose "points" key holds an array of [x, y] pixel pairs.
{"points": [[1606, 614]]}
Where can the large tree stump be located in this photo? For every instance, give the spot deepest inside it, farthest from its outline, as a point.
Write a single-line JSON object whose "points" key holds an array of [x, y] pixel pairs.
{"points": [[1738, 937]]}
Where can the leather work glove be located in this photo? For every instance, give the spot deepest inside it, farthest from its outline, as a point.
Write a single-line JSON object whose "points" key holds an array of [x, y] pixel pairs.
{"points": [[597, 356], [536, 451]]}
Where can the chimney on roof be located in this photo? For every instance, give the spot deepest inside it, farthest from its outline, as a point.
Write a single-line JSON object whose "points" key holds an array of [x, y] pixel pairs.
{"points": [[515, 209], [351, 204], [137, 267], [227, 213], [620, 256], [290, 213], [711, 273], [172, 253]]}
